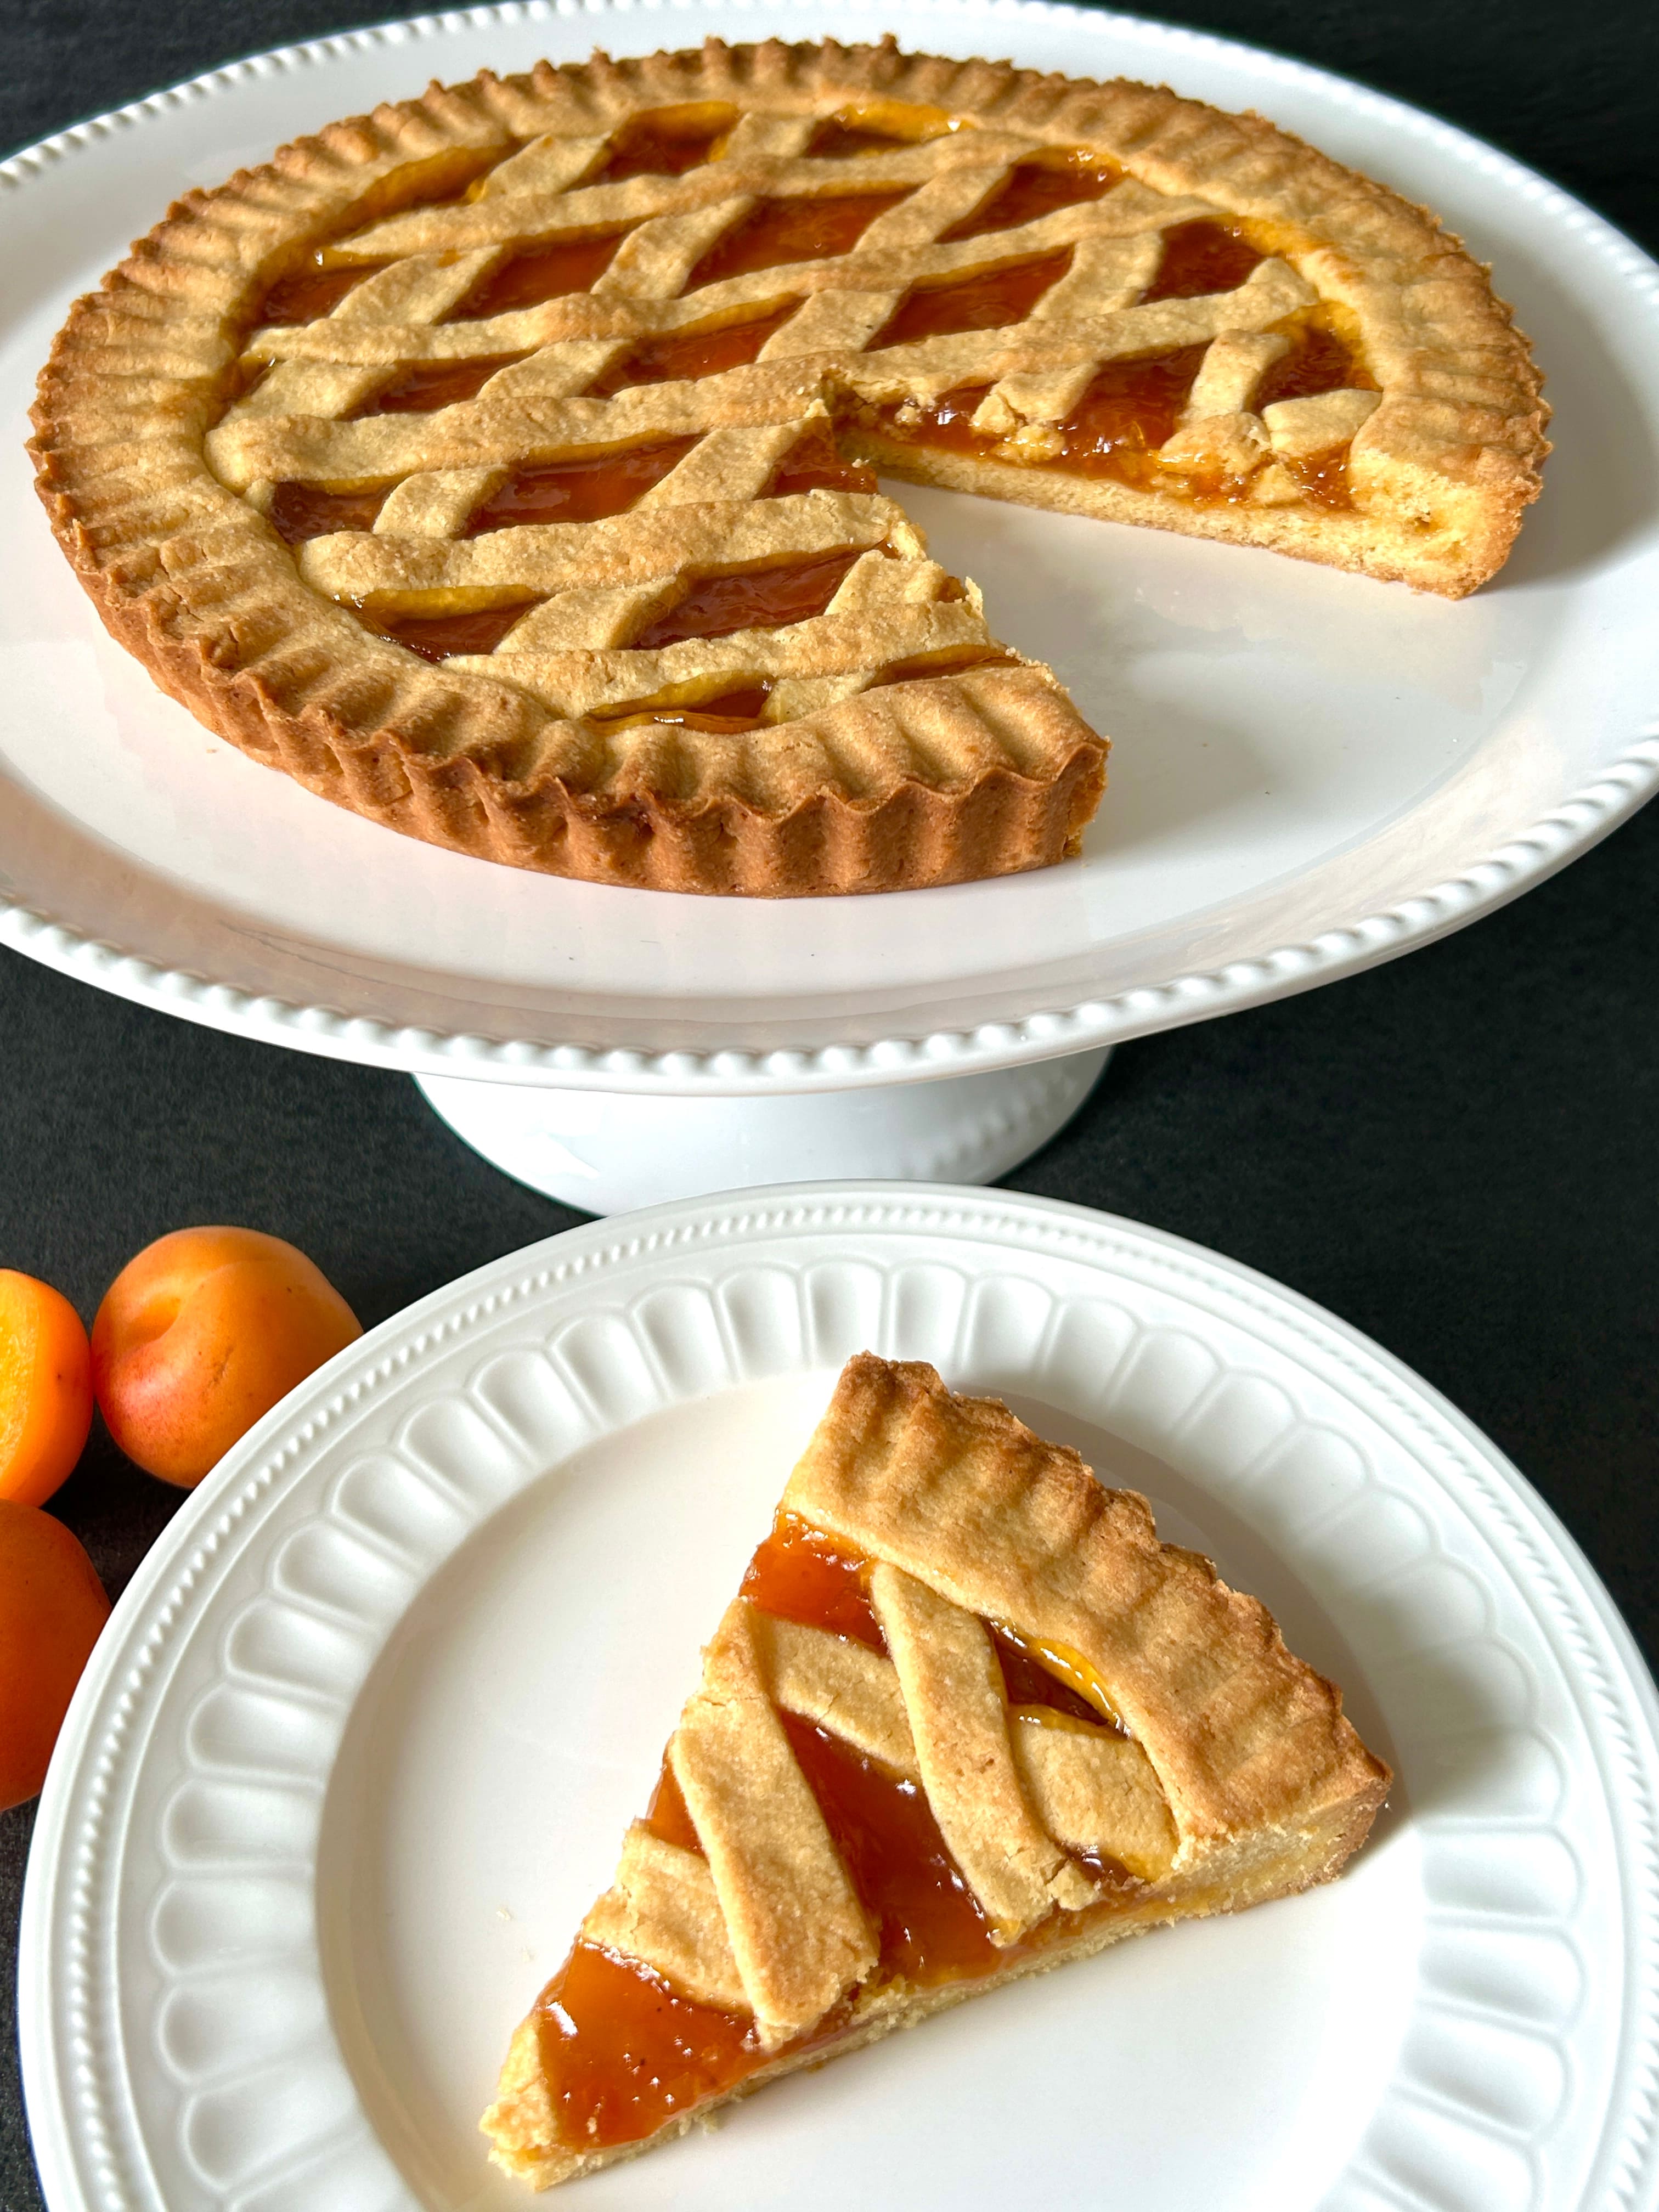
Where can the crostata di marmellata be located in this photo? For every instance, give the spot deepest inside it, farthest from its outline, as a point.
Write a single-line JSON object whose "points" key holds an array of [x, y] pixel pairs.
{"points": [[501, 465], [967, 1719]]}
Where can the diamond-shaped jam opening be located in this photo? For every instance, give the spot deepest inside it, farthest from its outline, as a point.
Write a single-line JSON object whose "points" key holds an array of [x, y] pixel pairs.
{"points": [[815, 463], [804, 229], [1036, 188], [753, 598], [429, 385], [437, 637], [311, 291], [989, 299], [582, 490], [299, 511], [536, 274], [1200, 258], [878, 126], [681, 355], [664, 141]]}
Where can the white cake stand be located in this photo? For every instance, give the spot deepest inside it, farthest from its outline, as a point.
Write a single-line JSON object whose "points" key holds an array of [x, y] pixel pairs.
{"points": [[1312, 772]]}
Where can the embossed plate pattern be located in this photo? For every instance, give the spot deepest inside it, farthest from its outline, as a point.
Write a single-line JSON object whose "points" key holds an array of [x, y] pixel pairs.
{"points": [[1313, 772], [354, 1753]]}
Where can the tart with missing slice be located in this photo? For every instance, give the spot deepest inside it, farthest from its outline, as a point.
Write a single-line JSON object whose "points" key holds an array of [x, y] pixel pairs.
{"points": [[967, 1719], [501, 465]]}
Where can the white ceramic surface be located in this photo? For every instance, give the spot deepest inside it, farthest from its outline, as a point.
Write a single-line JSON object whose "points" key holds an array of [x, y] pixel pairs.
{"points": [[357, 1747], [1312, 772], [610, 1153]]}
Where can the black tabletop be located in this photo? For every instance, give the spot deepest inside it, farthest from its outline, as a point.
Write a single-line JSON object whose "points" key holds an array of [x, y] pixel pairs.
{"points": [[1456, 1152]]}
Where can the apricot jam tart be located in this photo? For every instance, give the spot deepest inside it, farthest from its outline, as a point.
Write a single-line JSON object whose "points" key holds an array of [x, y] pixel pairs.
{"points": [[501, 464], [966, 1719]]}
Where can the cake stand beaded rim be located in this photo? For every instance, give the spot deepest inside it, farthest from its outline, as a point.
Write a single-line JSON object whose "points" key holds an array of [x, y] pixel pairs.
{"points": [[1588, 814]]}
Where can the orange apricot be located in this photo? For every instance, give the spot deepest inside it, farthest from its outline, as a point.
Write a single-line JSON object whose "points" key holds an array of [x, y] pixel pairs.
{"points": [[45, 1387], [200, 1335], [52, 1607]]}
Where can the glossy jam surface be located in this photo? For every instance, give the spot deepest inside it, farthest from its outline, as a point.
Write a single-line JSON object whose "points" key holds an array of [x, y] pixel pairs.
{"points": [[624, 2053], [302, 511], [688, 354], [666, 142], [989, 300], [778, 231], [435, 637], [539, 273], [756, 599], [580, 490], [800, 1574], [433, 384], [1032, 189], [928, 1921], [1318, 360], [1029, 1682], [1203, 257], [666, 1816], [311, 291], [813, 464], [725, 715], [843, 137]]}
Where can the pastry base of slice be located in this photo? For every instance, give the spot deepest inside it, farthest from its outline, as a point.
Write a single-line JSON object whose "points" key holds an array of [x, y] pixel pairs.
{"points": [[520, 2122]]}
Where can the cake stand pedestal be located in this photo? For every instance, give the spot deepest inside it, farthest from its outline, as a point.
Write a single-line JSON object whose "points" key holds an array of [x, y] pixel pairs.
{"points": [[609, 1152]]}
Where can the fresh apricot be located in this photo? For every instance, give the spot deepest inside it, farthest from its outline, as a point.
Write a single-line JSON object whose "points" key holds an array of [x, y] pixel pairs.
{"points": [[45, 1387], [200, 1335], [51, 1608]]}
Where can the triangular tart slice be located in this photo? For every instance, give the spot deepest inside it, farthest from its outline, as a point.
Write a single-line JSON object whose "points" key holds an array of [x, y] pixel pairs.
{"points": [[967, 1719]]}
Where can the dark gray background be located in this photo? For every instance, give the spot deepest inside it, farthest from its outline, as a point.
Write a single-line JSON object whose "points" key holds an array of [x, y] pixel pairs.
{"points": [[1454, 1153]]}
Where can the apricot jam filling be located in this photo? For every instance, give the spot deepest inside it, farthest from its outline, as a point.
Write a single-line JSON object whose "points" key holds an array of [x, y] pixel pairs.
{"points": [[437, 637], [989, 300], [755, 599], [578, 490], [684, 355], [1203, 257], [881, 128], [430, 385], [666, 142], [726, 715], [814, 462], [1132, 407], [302, 511], [311, 290], [777, 231], [536, 274], [1035, 188], [623, 2052]]}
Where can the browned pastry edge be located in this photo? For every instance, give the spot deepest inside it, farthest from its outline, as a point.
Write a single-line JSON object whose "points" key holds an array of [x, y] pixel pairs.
{"points": [[189, 581]]}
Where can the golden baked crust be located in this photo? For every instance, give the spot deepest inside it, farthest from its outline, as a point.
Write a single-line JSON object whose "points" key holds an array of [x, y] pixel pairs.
{"points": [[897, 744], [1231, 1776]]}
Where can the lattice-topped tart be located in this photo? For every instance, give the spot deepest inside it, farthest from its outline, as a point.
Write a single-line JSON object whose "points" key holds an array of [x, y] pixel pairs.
{"points": [[967, 1719], [501, 464]]}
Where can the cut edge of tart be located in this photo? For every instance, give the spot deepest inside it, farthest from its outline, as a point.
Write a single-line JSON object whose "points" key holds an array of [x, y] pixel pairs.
{"points": [[967, 1720], [497, 465]]}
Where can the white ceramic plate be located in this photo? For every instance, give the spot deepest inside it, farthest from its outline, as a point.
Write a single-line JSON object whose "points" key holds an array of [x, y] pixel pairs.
{"points": [[1313, 772], [357, 1750]]}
